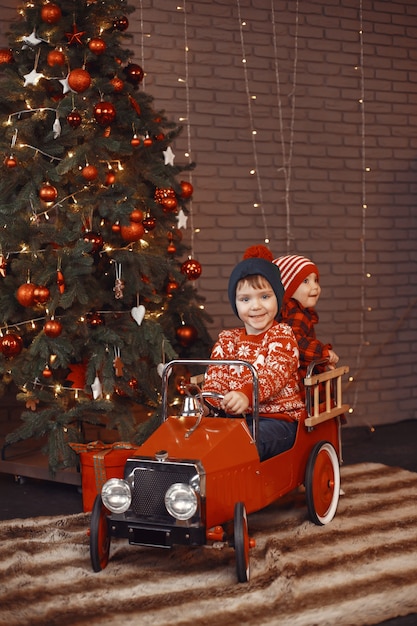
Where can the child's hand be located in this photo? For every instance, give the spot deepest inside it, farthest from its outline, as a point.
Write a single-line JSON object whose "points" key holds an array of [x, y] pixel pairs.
{"points": [[235, 402], [333, 359]]}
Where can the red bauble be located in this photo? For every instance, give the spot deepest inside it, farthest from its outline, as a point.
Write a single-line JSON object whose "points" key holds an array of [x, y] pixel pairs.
{"points": [[186, 189], [48, 193], [136, 216], [121, 23], [51, 13], [171, 287], [11, 345], [149, 223], [105, 113], [41, 294], [95, 239], [135, 141], [191, 269], [10, 162], [110, 178], [89, 172], [169, 204], [6, 55], [79, 80], [186, 335], [74, 119], [134, 73], [53, 328], [133, 232], [55, 57], [171, 249], [116, 228], [25, 294], [117, 83], [163, 192], [147, 141], [46, 372], [97, 45], [133, 383]]}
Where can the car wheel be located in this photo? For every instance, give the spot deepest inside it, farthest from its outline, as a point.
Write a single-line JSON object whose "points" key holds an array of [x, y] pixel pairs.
{"points": [[322, 483], [99, 536], [241, 543]]}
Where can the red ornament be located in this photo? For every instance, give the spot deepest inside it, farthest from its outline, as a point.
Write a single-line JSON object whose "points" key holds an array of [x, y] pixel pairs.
{"points": [[60, 281], [186, 335], [147, 141], [149, 223], [161, 193], [110, 178], [171, 287], [11, 345], [186, 189], [95, 239], [191, 269], [6, 55], [105, 113], [41, 294], [46, 372], [117, 83], [53, 328], [10, 162], [133, 232], [121, 23], [25, 294], [134, 73], [74, 119], [75, 36], [97, 45], [135, 141], [55, 57], [135, 105], [116, 228], [171, 249], [89, 172], [133, 383], [136, 216], [95, 319], [169, 204], [79, 80], [51, 13], [48, 193]]}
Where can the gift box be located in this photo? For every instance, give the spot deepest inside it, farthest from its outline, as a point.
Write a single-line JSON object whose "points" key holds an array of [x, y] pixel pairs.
{"points": [[99, 462]]}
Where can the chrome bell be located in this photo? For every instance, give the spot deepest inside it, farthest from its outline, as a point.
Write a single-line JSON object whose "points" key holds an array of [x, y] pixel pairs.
{"points": [[191, 407]]}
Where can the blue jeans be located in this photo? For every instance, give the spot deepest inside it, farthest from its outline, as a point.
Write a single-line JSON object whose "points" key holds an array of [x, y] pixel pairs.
{"points": [[274, 436]]}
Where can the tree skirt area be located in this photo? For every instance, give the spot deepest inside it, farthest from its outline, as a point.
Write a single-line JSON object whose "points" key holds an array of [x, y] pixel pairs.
{"points": [[359, 569]]}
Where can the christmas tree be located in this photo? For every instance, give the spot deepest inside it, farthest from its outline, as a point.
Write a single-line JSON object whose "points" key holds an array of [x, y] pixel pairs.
{"points": [[97, 287]]}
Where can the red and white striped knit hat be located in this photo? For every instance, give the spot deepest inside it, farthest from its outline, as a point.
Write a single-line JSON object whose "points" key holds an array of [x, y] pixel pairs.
{"points": [[294, 269]]}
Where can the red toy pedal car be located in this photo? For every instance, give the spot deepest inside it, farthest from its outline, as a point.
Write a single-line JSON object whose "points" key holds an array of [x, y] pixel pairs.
{"points": [[195, 479]]}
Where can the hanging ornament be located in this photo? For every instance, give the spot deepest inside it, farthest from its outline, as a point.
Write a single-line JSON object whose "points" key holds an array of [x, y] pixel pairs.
{"points": [[149, 223], [134, 73], [41, 294], [171, 246], [133, 232], [135, 105], [121, 23], [110, 178], [163, 192], [169, 156], [32, 40], [95, 319], [11, 345], [55, 57], [147, 141], [57, 127], [47, 372], [138, 313], [97, 45], [95, 239], [186, 189], [74, 37], [32, 78], [77, 375], [135, 141], [169, 204], [48, 193], [171, 287], [182, 219], [89, 172], [119, 283], [3, 265], [105, 113], [79, 80], [74, 119], [117, 362], [117, 83], [10, 161], [133, 383], [60, 281], [136, 216], [51, 13], [116, 227], [6, 55], [25, 294], [52, 328], [96, 388], [186, 335], [191, 269]]}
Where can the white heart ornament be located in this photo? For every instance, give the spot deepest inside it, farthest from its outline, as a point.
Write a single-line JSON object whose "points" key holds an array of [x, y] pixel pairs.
{"points": [[160, 368], [138, 313]]}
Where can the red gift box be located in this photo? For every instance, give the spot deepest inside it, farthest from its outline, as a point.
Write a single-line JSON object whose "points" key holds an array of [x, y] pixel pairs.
{"points": [[99, 462]]}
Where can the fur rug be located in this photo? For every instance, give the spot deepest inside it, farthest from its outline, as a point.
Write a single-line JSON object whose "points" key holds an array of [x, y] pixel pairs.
{"points": [[360, 569]]}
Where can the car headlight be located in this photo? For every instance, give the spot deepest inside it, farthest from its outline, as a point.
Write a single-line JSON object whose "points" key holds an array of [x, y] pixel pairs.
{"points": [[181, 501], [116, 495]]}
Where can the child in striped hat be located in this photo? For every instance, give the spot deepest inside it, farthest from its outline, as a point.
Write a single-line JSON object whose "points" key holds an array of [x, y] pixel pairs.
{"points": [[300, 278]]}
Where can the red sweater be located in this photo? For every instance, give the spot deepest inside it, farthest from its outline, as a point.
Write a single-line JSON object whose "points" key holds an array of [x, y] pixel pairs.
{"points": [[274, 353]]}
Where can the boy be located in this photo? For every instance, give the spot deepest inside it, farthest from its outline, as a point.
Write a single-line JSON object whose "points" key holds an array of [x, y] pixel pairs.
{"points": [[255, 292], [300, 278]]}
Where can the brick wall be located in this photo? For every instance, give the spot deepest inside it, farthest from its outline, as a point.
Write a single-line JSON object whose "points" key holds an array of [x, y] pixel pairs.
{"points": [[311, 71]]}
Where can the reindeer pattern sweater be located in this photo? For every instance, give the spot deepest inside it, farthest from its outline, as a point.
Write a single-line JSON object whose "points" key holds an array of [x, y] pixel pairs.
{"points": [[274, 353]]}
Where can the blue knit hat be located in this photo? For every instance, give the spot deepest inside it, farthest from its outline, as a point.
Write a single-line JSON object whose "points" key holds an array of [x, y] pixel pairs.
{"points": [[255, 266]]}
